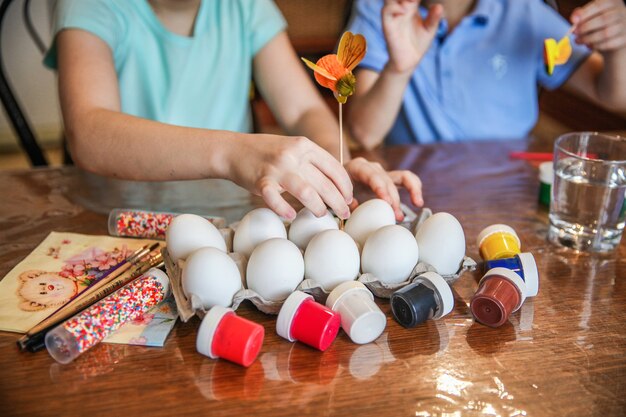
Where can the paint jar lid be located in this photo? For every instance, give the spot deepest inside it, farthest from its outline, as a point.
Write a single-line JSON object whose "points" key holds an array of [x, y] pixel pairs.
{"points": [[546, 172], [223, 334], [288, 311], [429, 296], [204, 340], [442, 289], [361, 318], [512, 277], [344, 289], [531, 273], [302, 319], [496, 228]]}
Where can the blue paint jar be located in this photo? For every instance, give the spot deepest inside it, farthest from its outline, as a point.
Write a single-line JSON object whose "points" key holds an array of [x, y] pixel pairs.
{"points": [[524, 265]]}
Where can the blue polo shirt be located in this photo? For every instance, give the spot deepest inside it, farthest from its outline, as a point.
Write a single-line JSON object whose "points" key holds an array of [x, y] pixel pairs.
{"points": [[480, 81], [199, 81]]}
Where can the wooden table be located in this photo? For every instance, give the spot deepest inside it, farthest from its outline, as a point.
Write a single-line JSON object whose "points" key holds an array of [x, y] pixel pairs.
{"points": [[563, 353]]}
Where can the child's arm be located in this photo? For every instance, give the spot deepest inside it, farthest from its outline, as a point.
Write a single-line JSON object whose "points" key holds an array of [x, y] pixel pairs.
{"points": [[601, 25], [298, 106], [378, 96], [106, 141]]}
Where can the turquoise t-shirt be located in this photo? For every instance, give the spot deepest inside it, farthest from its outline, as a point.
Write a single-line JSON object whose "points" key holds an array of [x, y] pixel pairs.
{"points": [[199, 81]]}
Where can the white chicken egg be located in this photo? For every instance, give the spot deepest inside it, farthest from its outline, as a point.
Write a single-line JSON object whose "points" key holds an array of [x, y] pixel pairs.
{"points": [[369, 217], [275, 269], [390, 253], [212, 277], [257, 226], [189, 232], [306, 225], [441, 243], [331, 258]]}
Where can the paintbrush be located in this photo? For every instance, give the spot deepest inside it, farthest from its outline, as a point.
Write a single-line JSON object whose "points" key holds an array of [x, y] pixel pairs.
{"points": [[116, 271], [37, 340]]}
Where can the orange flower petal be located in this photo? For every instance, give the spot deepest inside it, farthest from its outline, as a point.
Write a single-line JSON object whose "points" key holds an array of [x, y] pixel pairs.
{"points": [[318, 69], [351, 50], [331, 64]]}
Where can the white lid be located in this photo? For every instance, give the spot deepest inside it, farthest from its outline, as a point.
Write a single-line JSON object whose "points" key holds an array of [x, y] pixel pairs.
{"points": [[342, 289], [209, 324], [363, 321], [513, 278], [531, 274], [367, 327], [443, 290], [287, 311], [162, 278], [546, 172], [495, 228]]}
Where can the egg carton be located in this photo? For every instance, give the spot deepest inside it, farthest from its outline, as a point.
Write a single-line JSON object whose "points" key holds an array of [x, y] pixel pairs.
{"points": [[384, 290], [188, 307]]}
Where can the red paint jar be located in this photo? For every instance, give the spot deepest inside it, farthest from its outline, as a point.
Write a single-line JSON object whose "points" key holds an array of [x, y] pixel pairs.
{"points": [[500, 293], [223, 334], [301, 318]]}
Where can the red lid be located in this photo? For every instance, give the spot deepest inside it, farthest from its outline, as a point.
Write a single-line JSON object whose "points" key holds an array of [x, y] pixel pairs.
{"points": [[237, 339], [494, 301], [315, 324]]}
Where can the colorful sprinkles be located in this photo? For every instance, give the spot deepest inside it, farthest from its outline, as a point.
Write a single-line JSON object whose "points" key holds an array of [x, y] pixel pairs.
{"points": [[139, 223], [129, 303]]}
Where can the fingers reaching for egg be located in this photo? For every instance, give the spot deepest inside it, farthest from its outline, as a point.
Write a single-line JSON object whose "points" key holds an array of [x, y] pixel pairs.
{"points": [[384, 184], [411, 183]]}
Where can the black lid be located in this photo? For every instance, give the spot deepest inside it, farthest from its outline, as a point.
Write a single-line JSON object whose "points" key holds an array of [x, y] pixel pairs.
{"points": [[413, 304]]}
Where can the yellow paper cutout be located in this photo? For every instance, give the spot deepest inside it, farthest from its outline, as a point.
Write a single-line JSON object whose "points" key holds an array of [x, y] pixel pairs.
{"points": [[556, 53]]}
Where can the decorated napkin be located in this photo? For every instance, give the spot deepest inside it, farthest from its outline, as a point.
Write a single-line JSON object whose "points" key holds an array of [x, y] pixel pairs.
{"points": [[63, 265]]}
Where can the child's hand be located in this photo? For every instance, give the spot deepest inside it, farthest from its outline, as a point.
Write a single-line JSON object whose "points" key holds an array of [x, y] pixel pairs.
{"points": [[384, 184], [408, 36], [601, 24], [269, 165]]}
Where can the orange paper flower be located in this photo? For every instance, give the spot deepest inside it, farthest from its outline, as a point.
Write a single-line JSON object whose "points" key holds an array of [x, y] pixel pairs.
{"points": [[556, 53], [334, 71]]}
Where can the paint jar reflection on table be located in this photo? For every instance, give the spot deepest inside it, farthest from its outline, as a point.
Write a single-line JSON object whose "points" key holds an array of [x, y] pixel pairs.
{"points": [[587, 207]]}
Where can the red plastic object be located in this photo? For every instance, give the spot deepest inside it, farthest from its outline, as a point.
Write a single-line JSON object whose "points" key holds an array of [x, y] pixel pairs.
{"points": [[223, 334], [315, 325], [237, 339]]}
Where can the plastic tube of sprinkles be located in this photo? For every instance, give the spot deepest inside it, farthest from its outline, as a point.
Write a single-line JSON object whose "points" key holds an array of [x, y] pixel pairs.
{"points": [[139, 223], [87, 328]]}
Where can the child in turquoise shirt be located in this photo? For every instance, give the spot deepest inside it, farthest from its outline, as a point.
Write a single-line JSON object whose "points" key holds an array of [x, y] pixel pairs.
{"points": [[159, 90], [449, 70]]}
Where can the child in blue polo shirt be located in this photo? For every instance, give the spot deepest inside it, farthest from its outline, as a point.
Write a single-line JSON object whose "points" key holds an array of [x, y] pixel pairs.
{"points": [[454, 70], [159, 90]]}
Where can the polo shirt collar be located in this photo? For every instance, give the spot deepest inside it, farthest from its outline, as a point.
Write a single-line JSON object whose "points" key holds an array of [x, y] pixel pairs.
{"points": [[483, 12]]}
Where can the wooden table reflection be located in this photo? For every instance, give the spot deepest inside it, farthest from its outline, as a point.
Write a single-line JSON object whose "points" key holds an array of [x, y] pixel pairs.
{"points": [[562, 354]]}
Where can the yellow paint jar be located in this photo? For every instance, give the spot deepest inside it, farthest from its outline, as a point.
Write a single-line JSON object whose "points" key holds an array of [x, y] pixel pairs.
{"points": [[498, 241]]}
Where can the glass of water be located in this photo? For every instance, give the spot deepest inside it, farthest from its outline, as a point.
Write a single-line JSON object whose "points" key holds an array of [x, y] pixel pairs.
{"points": [[588, 208]]}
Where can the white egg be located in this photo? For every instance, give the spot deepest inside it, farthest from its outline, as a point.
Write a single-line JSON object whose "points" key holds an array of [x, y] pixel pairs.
{"points": [[369, 217], [441, 243], [257, 226], [212, 277], [390, 253], [306, 225], [331, 258], [275, 269], [189, 232]]}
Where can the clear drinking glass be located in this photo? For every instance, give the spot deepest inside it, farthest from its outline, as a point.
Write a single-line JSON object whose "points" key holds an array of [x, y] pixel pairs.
{"points": [[588, 207]]}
